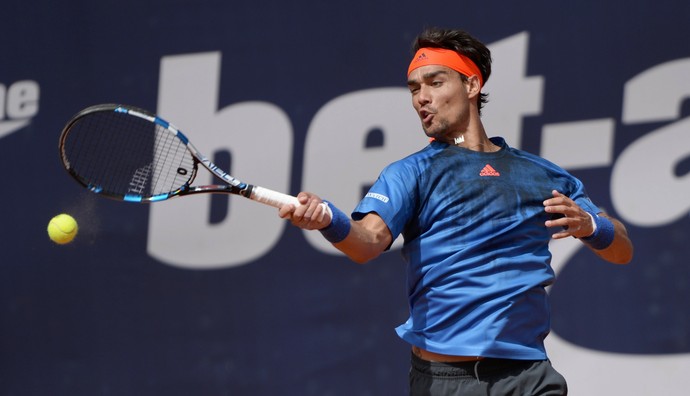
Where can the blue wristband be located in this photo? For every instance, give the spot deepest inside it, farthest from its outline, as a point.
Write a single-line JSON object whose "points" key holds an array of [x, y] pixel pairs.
{"points": [[339, 227], [603, 235]]}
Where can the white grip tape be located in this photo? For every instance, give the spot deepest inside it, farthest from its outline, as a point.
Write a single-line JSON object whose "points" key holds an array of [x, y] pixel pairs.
{"points": [[272, 198], [278, 199]]}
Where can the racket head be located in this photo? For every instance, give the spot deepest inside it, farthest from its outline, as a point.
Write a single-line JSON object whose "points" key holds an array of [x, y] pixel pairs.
{"points": [[126, 153]]}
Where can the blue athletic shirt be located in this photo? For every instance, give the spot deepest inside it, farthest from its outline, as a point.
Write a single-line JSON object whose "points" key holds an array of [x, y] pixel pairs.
{"points": [[476, 246]]}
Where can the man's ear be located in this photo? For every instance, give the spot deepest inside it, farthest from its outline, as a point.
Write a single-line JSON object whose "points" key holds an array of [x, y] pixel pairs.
{"points": [[473, 86]]}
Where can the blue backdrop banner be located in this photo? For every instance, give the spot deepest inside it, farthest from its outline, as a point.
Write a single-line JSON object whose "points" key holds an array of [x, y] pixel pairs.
{"points": [[211, 295]]}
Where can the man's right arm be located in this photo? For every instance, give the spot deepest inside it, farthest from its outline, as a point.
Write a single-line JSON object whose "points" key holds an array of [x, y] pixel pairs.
{"points": [[361, 240], [367, 239]]}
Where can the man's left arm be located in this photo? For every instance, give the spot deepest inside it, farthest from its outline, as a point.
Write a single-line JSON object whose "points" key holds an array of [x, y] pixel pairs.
{"points": [[601, 233]]}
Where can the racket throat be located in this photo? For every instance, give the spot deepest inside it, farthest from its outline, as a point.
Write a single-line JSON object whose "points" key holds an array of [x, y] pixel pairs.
{"points": [[247, 191]]}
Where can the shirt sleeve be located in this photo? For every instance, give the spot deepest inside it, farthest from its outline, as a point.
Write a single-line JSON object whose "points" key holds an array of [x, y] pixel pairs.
{"points": [[393, 197], [579, 195]]}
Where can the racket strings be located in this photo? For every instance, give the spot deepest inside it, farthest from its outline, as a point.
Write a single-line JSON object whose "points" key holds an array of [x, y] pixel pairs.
{"points": [[94, 152], [173, 164], [123, 155]]}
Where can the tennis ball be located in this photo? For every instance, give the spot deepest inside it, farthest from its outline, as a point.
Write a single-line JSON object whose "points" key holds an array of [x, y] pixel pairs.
{"points": [[62, 229]]}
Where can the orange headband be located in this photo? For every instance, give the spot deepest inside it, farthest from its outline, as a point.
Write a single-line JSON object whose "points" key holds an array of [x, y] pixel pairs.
{"points": [[448, 58]]}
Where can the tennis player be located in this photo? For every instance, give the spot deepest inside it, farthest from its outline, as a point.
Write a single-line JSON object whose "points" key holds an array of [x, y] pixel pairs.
{"points": [[477, 216]]}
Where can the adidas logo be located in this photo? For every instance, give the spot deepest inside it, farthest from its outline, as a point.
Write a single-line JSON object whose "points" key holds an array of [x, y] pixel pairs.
{"points": [[421, 57], [489, 171]]}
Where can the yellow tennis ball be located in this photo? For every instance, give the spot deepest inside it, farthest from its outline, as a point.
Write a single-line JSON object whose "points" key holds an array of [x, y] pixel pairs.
{"points": [[62, 229]]}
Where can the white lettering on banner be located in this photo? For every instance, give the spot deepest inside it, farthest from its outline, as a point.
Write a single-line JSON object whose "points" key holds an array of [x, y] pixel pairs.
{"points": [[657, 94], [644, 186], [654, 95], [179, 231], [19, 103], [590, 143], [340, 171]]}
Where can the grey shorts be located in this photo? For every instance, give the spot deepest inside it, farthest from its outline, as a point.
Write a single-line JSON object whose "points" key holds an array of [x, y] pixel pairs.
{"points": [[504, 377]]}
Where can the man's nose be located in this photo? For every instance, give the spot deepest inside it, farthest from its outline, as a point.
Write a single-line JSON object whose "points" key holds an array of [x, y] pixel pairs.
{"points": [[423, 97]]}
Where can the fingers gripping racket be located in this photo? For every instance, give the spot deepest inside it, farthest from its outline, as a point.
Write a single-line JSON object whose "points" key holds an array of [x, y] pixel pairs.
{"points": [[129, 154]]}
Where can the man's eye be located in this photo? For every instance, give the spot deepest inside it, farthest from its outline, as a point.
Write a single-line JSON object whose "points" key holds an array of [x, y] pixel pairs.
{"points": [[437, 83]]}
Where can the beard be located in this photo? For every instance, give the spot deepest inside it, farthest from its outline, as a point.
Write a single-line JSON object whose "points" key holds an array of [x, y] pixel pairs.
{"points": [[437, 129]]}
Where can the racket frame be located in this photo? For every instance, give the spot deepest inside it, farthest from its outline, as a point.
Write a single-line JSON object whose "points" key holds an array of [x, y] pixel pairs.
{"points": [[232, 186]]}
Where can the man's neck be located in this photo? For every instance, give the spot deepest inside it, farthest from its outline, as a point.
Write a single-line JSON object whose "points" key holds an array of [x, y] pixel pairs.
{"points": [[475, 139], [482, 144]]}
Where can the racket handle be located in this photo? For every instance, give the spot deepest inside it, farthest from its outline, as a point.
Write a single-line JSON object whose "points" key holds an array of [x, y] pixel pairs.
{"points": [[277, 199], [272, 198]]}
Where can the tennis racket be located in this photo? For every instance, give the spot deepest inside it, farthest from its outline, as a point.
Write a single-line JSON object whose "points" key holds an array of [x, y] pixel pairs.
{"points": [[129, 154]]}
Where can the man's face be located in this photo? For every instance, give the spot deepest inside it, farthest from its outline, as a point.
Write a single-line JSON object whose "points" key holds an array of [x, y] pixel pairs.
{"points": [[441, 100]]}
